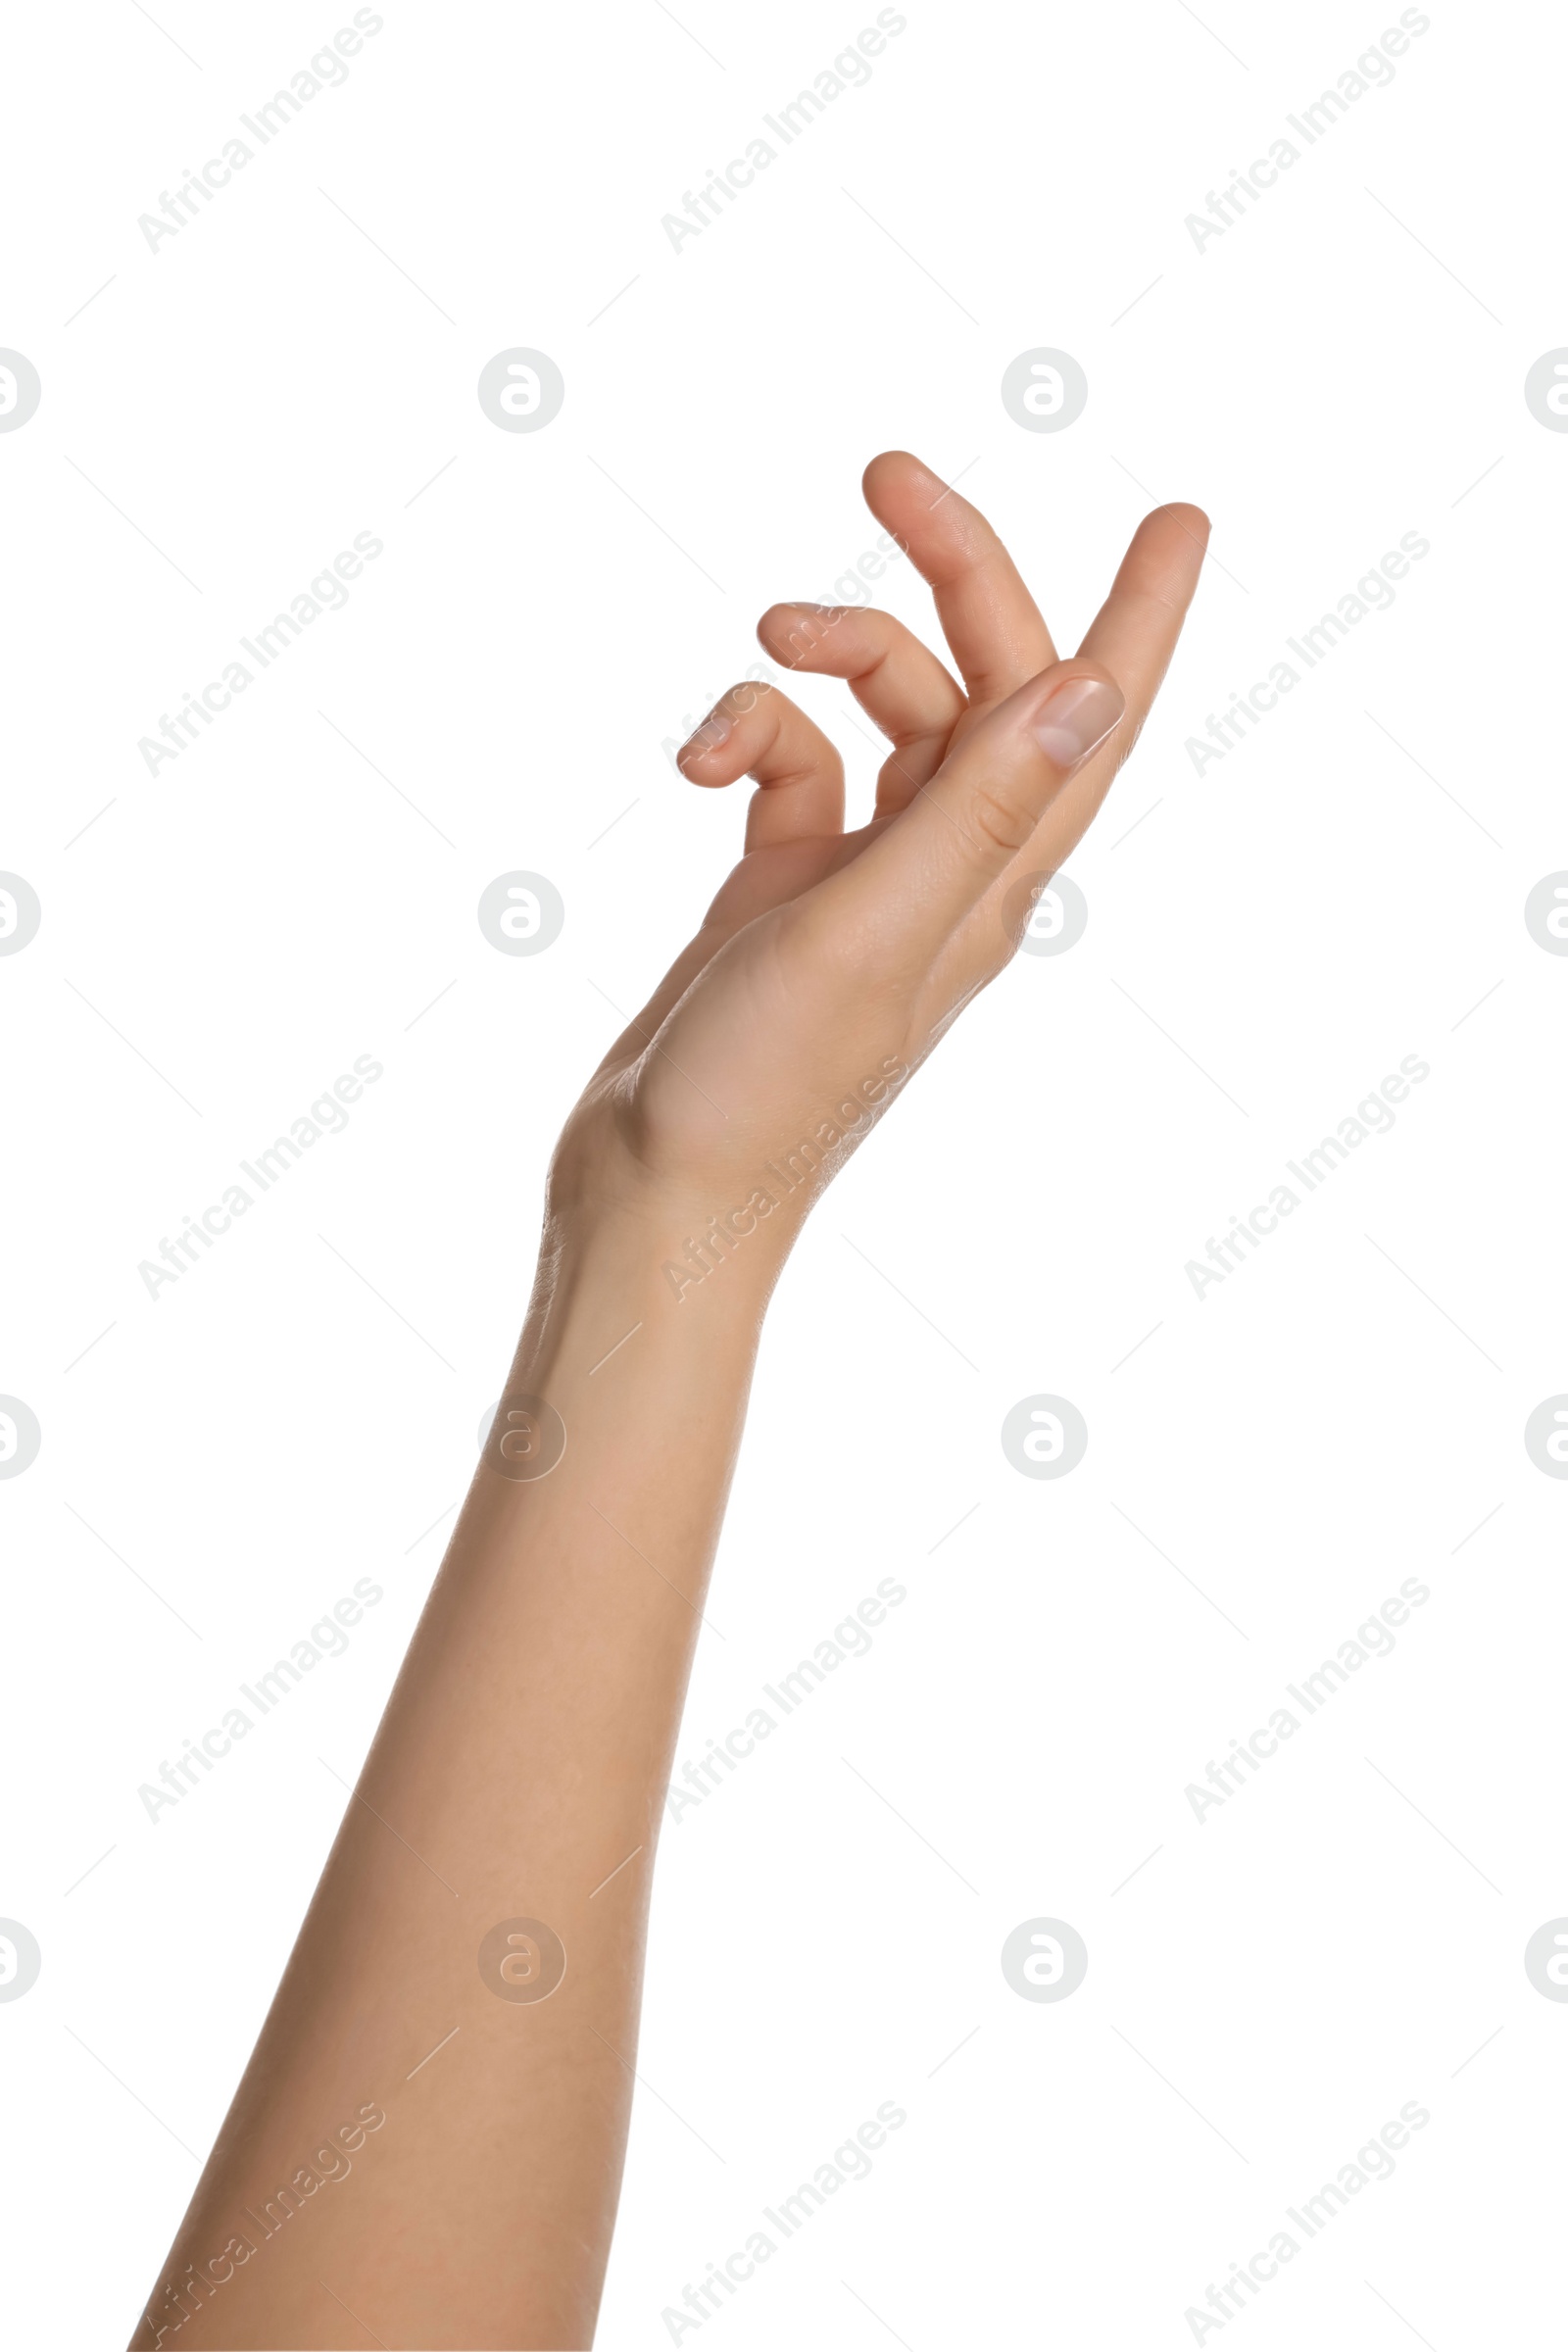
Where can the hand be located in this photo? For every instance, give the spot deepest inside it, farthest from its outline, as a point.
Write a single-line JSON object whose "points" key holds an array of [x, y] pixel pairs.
{"points": [[830, 962]]}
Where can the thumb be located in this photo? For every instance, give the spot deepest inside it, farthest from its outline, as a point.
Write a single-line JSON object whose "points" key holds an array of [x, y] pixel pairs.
{"points": [[980, 809]]}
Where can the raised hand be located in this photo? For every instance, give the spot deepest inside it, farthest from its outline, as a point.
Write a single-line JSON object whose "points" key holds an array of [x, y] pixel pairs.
{"points": [[829, 956]]}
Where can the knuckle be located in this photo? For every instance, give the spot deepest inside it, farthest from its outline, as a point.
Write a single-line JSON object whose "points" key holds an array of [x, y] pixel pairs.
{"points": [[1001, 822]]}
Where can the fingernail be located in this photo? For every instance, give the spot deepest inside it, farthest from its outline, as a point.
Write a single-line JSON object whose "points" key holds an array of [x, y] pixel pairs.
{"points": [[1078, 715], [708, 736]]}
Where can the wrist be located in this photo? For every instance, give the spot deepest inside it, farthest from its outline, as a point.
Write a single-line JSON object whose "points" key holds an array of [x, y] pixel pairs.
{"points": [[632, 1358], [675, 1245], [671, 1235], [646, 1271]]}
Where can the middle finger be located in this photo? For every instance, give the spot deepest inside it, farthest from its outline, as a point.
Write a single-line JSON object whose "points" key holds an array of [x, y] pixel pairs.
{"points": [[987, 616]]}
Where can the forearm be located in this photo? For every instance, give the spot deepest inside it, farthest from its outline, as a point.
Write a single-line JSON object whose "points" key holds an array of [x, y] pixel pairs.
{"points": [[518, 1774]]}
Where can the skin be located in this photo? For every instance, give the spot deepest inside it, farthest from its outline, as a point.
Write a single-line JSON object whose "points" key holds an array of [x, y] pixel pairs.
{"points": [[519, 1771]]}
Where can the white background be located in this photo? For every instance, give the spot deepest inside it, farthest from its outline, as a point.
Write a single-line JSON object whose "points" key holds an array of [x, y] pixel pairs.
{"points": [[1344, 365]]}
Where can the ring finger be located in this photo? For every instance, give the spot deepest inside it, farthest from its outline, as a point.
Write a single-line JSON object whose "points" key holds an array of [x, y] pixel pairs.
{"points": [[755, 732]]}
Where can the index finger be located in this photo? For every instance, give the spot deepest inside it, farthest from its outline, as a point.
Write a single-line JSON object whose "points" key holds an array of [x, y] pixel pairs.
{"points": [[989, 617]]}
